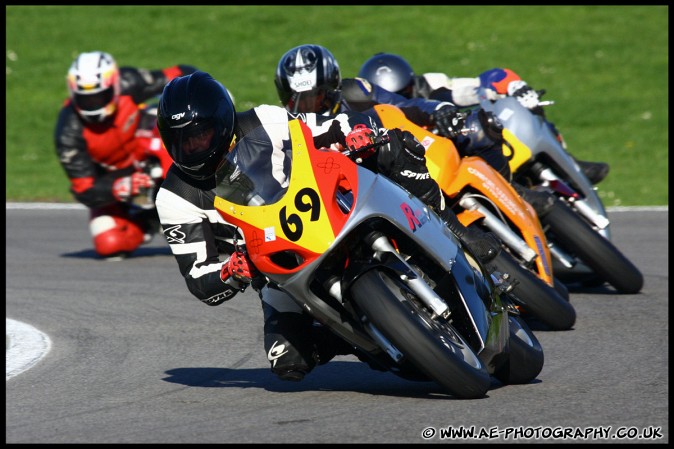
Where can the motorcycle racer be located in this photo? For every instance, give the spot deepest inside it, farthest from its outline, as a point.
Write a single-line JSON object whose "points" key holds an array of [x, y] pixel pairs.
{"points": [[100, 139], [394, 73], [198, 123], [308, 79]]}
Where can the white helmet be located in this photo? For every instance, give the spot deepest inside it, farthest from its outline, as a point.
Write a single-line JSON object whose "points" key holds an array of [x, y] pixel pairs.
{"points": [[93, 84]]}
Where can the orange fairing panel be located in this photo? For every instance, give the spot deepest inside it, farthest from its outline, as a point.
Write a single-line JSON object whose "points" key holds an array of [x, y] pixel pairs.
{"points": [[475, 172], [442, 158]]}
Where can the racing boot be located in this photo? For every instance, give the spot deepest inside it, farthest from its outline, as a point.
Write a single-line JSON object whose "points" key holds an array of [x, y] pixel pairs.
{"points": [[484, 245], [594, 171], [541, 201], [287, 342]]}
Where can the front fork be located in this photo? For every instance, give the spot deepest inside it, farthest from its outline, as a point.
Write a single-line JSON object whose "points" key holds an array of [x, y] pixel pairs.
{"points": [[550, 180], [386, 253]]}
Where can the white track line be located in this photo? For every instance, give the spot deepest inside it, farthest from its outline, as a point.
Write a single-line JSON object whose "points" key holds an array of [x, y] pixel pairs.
{"points": [[26, 345]]}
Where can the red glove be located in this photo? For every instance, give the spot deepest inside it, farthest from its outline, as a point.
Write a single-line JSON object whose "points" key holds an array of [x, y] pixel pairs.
{"points": [[359, 137], [239, 268], [127, 187]]}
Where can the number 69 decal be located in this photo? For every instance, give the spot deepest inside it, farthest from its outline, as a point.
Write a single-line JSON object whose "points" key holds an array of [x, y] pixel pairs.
{"points": [[306, 200]]}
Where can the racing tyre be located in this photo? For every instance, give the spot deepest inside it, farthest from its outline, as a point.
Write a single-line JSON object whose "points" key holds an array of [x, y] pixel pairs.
{"points": [[525, 360], [576, 236], [535, 297], [434, 346], [562, 289]]}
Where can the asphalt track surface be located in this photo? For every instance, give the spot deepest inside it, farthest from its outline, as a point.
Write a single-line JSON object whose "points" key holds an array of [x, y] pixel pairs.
{"points": [[132, 357]]}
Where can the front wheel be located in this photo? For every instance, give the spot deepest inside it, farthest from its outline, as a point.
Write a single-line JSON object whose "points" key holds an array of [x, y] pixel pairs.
{"points": [[435, 347], [576, 236], [536, 297], [525, 355]]}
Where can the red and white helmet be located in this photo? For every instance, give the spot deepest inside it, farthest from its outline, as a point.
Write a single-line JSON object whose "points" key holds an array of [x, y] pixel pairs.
{"points": [[93, 84]]}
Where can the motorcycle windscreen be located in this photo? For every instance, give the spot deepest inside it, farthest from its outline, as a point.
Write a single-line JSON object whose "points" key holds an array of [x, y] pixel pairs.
{"points": [[249, 177]]}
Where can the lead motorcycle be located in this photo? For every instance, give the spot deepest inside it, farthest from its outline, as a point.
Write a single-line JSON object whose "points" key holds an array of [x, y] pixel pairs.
{"points": [[375, 265], [577, 226]]}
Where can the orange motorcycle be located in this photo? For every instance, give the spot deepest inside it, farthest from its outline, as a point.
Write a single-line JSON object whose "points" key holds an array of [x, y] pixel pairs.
{"points": [[481, 197]]}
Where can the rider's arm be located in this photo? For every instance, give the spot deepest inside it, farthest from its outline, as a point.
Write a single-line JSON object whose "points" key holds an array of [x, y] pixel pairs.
{"points": [[142, 84], [463, 92], [331, 131], [191, 224], [419, 110], [360, 95], [460, 91]]}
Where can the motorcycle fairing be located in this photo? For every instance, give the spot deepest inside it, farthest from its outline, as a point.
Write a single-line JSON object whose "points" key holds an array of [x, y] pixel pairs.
{"points": [[476, 173], [454, 173], [529, 138], [270, 228]]}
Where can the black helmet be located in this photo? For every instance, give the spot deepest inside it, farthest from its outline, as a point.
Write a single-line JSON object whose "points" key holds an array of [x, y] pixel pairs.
{"points": [[389, 71], [308, 80], [196, 120]]}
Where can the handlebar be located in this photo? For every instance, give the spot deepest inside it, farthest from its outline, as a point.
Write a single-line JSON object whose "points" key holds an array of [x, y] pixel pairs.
{"points": [[378, 142]]}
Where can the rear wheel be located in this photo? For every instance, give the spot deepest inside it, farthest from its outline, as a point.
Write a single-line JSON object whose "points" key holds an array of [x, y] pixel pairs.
{"points": [[435, 347], [575, 235], [534, 296]]}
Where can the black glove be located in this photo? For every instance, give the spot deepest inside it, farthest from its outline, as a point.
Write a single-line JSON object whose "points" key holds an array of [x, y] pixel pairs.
{"points": [[403, 161], [448, 121], [403, 151]]}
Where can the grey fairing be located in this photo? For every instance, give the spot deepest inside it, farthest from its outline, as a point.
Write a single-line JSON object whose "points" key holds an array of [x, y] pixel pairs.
{"points": [[532, 130], [433, 237]]}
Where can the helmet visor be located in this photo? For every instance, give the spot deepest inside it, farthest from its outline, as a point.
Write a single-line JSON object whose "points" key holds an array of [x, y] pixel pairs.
{"points": [[309, 101], [407, 91], [194, 143], [94, 102]]}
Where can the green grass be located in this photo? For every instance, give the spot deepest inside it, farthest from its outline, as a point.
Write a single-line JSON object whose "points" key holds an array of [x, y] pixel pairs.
{"points": [[606, 67]]}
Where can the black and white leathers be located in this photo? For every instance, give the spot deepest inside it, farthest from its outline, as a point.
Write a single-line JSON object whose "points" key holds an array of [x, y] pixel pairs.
{"points": [[191, 224]]}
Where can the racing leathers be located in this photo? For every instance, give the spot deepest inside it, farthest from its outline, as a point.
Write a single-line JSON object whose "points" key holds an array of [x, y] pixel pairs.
{"points": [[101, 161], [197, 233]]}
